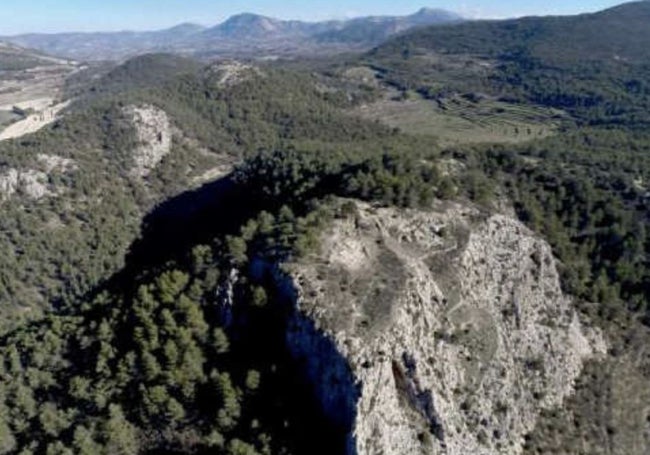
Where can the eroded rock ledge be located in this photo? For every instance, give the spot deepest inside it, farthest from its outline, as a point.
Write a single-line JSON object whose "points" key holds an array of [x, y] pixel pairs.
{"points": [[438, 332]]}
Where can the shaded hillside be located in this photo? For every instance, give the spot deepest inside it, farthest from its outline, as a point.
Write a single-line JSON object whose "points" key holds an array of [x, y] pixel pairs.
{"points": [[146, 72], [166, 359], [183, 351]]}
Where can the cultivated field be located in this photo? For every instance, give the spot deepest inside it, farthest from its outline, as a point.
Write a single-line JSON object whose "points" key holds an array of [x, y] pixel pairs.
{"points": [[457, 120], [31, 90]]}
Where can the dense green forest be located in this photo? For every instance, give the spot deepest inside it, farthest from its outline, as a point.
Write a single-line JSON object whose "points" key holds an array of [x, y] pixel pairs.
{"points": [[144, 363], [100, 205], [154, 323], [584, 192], [149, 364]]}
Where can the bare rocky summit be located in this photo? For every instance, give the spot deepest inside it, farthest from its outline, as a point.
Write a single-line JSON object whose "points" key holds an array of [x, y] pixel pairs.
{"points": [[232, 72], [437, 332]]}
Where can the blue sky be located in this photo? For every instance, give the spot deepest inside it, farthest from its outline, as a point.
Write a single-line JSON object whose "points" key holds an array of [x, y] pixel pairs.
{"points": [[20, 16]]}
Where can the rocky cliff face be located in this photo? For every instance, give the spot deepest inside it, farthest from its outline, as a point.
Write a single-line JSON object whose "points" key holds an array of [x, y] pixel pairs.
{"points": [[438, 332], [153, 131]]}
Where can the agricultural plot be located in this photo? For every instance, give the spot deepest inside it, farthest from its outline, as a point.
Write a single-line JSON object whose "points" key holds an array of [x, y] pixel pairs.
{"points": [[30, 99], [458, 120]]}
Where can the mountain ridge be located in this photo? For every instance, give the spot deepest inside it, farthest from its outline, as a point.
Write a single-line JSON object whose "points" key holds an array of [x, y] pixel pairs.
{"points": [[249, 32], [565, 62], [593, 35]]}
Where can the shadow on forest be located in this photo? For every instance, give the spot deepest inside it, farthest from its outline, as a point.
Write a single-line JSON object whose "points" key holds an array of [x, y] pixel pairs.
{"points": [[197, 217], [189, 219]]}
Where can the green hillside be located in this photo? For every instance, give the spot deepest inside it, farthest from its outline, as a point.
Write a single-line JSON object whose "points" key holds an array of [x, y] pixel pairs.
{"points": [[142, 314], [594, 65], [95, 203], [616, 34], [138, 360]]}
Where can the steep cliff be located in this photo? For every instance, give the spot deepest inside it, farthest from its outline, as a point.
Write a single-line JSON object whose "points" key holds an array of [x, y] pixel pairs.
{"points": [[438, 332]]}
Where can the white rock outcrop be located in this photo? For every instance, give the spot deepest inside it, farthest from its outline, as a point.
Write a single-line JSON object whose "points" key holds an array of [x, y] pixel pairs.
{"points": [[438, 332], [32, 183], [154, 137], [232, 72], [56, 163]]}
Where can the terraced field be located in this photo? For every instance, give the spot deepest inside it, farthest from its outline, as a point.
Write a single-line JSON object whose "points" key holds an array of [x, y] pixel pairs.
{"points": [[459, 120]]}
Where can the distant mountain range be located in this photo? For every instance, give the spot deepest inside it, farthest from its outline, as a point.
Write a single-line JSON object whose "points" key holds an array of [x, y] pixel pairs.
{"points": [[247, 33]]}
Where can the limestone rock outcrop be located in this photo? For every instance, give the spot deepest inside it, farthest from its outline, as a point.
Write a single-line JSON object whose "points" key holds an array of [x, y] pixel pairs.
{"points": [[435, 332], [33, 184], [232, 72], [153, 135]]}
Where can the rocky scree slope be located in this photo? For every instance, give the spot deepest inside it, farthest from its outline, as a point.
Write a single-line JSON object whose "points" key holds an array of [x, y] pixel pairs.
{"points": [[441, 332]]}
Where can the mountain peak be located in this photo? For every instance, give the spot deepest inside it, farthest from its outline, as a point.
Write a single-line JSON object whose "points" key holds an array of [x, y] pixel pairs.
{"points": [[247, 19], [247, 25], [248, 32], [426, 12]]}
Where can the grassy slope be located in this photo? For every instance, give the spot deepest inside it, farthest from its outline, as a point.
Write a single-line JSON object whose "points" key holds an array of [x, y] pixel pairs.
{"points": [[456, 120]]}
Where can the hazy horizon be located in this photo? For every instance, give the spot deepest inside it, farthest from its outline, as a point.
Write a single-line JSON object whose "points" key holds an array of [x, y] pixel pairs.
{"points": [[61, 16]]}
